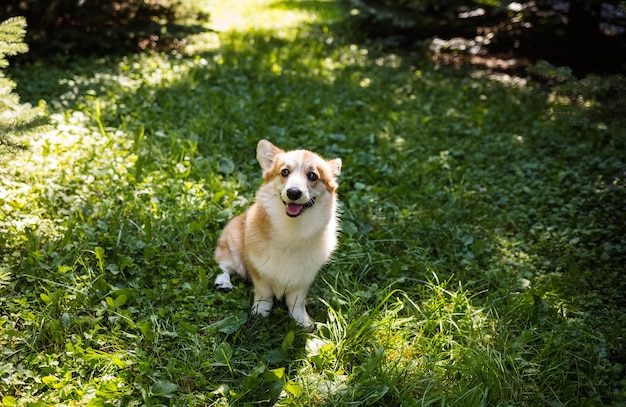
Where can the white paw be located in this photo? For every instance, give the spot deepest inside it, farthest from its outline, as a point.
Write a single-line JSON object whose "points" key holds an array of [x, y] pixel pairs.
{"points": [[303, 320], [223, 283], [308, 324], [262, 307]]}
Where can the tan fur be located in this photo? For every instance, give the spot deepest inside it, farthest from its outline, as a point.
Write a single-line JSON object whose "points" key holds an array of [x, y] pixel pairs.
{"points": [[288, 234]]}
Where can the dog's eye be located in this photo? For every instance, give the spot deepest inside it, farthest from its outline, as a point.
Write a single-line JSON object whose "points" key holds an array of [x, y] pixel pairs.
{"points": [[284, 173], [312, 176]]}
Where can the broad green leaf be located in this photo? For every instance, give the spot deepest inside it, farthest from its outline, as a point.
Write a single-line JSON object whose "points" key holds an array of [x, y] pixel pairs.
{"points": [[288, 340], [232, 323], [49, 380], [147, 329], [349, 228], [226, 165], [96, 402], [293, 388], [120, 301], [274, 374], [64, 269], [99, 252], [223, 354], [275, 356], [9, 401], [164, 388], [46, 298]]}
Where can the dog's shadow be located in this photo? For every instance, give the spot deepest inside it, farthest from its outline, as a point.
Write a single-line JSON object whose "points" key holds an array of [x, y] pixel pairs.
{"points": [[259, 356]]}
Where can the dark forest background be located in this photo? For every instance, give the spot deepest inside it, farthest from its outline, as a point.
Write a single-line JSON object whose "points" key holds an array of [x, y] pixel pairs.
{"points": [[587, 35]]}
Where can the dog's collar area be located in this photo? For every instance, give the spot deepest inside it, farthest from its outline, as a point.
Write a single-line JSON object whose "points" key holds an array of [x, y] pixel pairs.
{"points": [[294, 209]]}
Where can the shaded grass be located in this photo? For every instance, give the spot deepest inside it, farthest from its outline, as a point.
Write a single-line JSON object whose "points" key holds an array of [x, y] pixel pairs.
{"points": [[479, 264]]}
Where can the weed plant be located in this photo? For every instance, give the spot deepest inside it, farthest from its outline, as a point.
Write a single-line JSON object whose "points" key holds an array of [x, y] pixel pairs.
{"points": [[481, 261]]}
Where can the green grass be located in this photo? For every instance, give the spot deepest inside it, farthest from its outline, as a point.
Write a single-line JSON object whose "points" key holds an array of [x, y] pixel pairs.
{"points": [[481, 260]]}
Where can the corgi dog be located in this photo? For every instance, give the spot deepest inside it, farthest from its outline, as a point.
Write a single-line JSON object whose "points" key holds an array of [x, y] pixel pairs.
{"points": [[288, 234]]}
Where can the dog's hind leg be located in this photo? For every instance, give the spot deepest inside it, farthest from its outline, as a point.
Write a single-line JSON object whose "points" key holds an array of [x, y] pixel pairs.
{"points": [[229, 263], [228, 253], [222, 281]]}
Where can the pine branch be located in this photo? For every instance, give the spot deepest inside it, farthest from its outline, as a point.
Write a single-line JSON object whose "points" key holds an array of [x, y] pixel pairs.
{"points": [[16, 120], [12, 32]]}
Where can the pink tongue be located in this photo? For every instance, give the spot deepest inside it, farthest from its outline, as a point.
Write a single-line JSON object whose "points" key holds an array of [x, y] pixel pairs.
{"points": [[294, 209]]}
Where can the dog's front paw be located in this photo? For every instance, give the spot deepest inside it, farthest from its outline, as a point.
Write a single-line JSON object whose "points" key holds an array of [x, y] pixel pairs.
{"points": [[308, 325], [303, 320], [262, 307]]}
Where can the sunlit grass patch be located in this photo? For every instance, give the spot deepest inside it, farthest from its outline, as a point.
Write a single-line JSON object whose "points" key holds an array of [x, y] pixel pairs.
{"points": [[276, 15], [413, 348]]}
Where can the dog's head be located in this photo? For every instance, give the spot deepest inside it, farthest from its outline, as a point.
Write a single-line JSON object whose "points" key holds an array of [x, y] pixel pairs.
{"points": [[300, 176]]}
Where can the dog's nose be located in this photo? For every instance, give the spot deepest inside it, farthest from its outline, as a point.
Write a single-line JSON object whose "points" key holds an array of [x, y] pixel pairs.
{"points": [[294, 194]]}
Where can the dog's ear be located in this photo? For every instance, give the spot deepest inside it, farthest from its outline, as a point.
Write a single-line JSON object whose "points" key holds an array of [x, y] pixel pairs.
{"points": [[266, 153], [335, 167]]}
